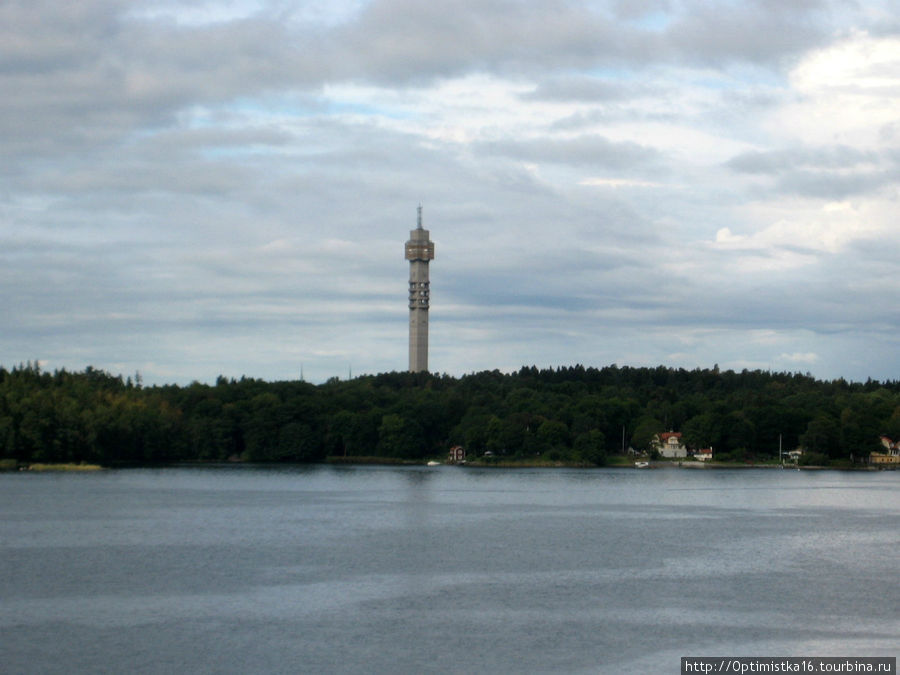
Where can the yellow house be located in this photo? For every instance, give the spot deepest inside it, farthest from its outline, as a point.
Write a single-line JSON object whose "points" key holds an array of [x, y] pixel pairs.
{"points": [[891, 454]]}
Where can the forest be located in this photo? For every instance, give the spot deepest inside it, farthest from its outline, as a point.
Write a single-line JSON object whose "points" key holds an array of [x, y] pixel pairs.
{"points": [[571, 414]]}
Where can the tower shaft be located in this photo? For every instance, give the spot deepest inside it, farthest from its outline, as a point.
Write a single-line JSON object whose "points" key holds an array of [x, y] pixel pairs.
{"points": [[419, 251]]}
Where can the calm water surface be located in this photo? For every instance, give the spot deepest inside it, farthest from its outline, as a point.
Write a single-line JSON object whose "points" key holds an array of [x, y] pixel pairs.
{"points": [[444, 569]]}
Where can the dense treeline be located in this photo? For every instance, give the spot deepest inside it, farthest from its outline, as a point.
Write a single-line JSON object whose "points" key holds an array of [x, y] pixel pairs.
{"points": [[571, 414]]}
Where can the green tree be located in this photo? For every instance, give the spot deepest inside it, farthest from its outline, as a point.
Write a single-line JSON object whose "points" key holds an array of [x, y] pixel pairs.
{"points": [[858, 432], [590, 447], [738, 432], [342, 434], [297, 442], [399, 437], [552, 435], [472, 430], [262, 423], [510, 435], [647, 428], [702, 431], [822, 436]]}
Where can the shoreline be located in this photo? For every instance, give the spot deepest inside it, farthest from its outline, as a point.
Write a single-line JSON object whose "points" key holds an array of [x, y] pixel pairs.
{"points": [[9, 466], [538, 464]]}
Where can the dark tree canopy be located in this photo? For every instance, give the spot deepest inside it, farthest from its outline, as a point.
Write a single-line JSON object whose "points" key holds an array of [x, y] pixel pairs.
{"points": [[574, 414]]}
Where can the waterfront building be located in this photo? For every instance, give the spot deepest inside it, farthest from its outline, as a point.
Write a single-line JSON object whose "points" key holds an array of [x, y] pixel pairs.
{"points": [[457, 455], [890, 456], [669, 445]]}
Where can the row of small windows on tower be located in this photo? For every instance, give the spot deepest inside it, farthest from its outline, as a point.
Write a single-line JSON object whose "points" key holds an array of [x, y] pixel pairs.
{"points": [[418, 294]]}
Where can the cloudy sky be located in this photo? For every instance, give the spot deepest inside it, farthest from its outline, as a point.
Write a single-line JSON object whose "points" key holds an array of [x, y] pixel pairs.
{"points": [[191, 189]]}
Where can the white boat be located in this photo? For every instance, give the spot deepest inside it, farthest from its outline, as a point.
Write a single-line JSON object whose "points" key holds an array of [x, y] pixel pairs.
{"points": [[642, 465], [433, 463]]}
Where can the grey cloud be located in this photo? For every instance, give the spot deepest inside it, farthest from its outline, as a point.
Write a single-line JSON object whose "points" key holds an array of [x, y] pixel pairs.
{"points": [[245, 139], [89, 73], [76, 79], [823, 297], [586, 89], [405, 40], [408, 40], [41, 36], [565, 276], [879, 254], [637, 9], [829, 172], [774, 162], [644, 297], [586, 150], [827, 185], [759, 31], [578, 89]]}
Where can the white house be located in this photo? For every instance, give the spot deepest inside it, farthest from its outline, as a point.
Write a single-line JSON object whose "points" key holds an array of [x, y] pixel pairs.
{"points": [[704, 455], [669, 444]]}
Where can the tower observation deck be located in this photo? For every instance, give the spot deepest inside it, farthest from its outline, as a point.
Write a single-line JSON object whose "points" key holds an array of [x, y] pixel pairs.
{"points": [[419, 250]]}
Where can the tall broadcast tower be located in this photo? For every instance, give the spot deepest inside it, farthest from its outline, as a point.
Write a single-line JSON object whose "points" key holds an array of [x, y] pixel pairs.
{"points": [[419, 250]]}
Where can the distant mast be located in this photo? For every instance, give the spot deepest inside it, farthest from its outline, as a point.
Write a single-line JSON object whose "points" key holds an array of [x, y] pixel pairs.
{"points": [[419, 251]]}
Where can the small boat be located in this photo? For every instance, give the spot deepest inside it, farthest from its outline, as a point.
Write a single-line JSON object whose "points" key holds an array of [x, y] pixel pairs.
{"points": [[433, 463], [642, 465]]}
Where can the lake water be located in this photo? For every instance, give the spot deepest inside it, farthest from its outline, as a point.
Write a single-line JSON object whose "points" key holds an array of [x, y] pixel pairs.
{"points": [[361, 569]]}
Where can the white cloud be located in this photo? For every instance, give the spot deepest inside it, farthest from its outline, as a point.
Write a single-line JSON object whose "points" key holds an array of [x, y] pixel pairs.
{"points": [[619, 182], [846, 92], [804, 226], [808, 358]]}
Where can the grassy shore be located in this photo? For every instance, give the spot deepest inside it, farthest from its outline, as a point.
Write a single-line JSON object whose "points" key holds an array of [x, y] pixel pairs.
{"points": [[12, 465]]}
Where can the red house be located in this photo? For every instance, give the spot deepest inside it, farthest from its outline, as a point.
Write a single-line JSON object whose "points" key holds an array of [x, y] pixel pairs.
{"points": [[457, 454]]}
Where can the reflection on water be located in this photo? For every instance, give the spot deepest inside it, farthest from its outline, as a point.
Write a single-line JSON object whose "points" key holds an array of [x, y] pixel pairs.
{"points": [[441, 569]]}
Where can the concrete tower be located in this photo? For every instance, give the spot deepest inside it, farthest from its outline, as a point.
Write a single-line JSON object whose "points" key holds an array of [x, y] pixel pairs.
{"points": [[419, 250]]}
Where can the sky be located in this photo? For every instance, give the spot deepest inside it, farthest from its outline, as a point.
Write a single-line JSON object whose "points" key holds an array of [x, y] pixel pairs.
{"points": [[195, 189]]}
